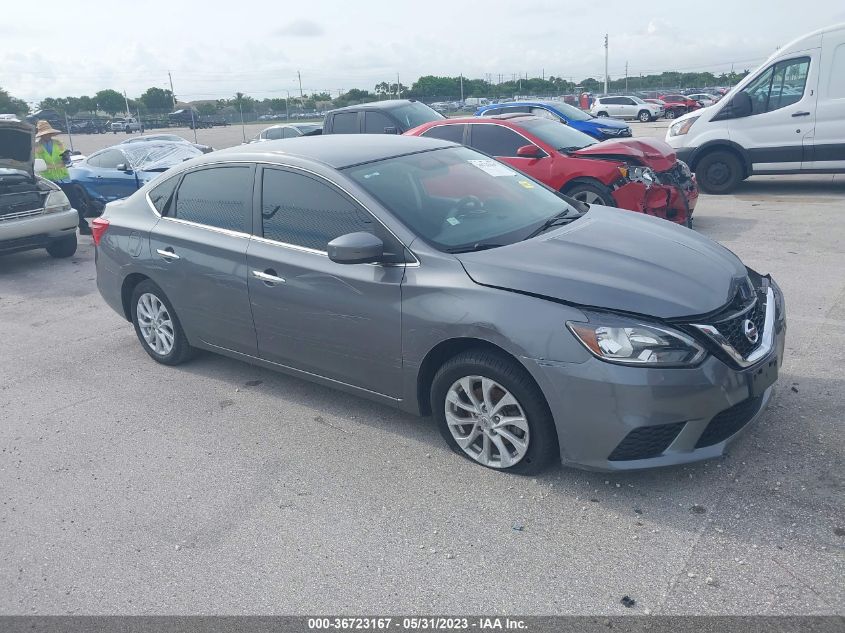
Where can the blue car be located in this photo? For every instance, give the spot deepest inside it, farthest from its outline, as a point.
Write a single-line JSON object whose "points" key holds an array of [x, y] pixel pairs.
{"points": [[117, 172], [599, 128]]}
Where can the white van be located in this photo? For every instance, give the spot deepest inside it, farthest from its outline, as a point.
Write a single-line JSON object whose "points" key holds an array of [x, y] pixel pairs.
{"points": [[786, 117]]}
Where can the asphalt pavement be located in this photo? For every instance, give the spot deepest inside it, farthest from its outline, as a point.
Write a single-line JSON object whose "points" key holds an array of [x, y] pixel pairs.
{"points": [[221, 488]]}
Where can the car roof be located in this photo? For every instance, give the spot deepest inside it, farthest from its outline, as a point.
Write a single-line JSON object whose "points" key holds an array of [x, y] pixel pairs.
{"points": [[377, 105], [335, 150], [513, 117]]}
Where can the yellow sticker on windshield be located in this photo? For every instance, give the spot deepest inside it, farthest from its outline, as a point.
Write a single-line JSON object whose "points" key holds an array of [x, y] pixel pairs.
{"points": [[526, 183]]}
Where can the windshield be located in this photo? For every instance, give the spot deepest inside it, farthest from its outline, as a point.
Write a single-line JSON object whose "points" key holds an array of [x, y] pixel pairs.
{"points": [[457, 199], [412, 114], [571, 112], [159, 155], [561, 137], [637, 100]]}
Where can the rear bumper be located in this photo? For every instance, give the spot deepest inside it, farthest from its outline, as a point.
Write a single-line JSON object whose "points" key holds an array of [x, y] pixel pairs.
{"points": [[669, 202], [36, 231]]}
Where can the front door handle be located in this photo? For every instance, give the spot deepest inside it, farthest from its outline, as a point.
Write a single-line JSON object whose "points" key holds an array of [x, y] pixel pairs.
{"points": [[268, 276], [800, 114], [167, 253]]}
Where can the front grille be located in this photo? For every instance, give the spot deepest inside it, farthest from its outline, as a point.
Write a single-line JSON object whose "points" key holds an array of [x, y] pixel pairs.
{"points": [[14, 203], [734, 329], [20, 214], [646, 441], [679, 174], [729, 422]]}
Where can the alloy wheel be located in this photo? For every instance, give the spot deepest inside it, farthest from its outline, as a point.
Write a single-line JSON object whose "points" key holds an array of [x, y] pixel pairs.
{"points": [[155, 324], [590, 197], [487, 421]]}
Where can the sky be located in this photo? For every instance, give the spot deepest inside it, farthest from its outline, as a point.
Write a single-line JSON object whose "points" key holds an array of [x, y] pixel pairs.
{"points": [[215, 49]]}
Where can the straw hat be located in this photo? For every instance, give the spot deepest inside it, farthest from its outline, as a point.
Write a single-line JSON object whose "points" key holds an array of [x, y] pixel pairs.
{"points": [[43, 129]]}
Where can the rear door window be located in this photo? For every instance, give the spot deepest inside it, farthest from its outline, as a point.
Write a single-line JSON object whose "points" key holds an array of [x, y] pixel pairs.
{"points": [[345, 123], [161, 194], [454, 133], [219, 197]]}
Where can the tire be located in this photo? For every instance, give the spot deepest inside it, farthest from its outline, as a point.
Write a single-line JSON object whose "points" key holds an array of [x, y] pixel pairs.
{"points": [[169, 327], [718, 172], [644, 116], [669, 114], [503, 377], [591, 193], [602, 114], [62, 246]]}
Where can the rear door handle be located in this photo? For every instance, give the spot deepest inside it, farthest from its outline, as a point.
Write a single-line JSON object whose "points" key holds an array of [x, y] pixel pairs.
{"points": [[268, 276], [800, 114], [167, 253]]}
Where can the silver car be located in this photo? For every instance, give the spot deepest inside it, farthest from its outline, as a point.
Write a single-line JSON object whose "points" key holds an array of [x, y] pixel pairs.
{"points": [[430, 277]]}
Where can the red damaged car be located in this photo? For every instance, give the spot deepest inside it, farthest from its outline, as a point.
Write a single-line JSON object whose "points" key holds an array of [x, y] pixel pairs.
{"points": [[642, 175]]}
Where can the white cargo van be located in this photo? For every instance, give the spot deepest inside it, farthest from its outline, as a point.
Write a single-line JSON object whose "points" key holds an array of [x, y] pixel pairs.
{"points": [[786, 117]]}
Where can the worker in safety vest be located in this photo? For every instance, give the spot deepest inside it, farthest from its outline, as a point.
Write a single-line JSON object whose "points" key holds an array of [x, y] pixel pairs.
{"points": [[51, 151]]}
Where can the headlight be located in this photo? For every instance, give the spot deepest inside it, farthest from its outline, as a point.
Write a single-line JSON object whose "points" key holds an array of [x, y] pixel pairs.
{"points": [[682, 127], [56, 201], [608, 130], [626, 342], [644, 175]]}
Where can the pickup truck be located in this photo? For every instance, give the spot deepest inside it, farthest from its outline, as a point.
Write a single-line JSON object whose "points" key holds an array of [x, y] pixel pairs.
{"points": [[127, 124], [395, 116]]}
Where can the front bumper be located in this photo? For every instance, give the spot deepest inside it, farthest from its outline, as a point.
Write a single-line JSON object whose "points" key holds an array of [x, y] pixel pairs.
{"points": [[669, 202], [36, 231], [612, 417]]}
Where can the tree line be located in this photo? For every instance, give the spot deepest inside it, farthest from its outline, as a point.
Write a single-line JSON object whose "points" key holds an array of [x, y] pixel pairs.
{"points": [[427, 88]]}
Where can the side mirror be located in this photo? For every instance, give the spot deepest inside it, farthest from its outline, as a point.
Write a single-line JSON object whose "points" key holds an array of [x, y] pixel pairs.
{"points": [[40, 166], [356, 248], [529, 151], [391, 130], [741, 105], [124, 167]]}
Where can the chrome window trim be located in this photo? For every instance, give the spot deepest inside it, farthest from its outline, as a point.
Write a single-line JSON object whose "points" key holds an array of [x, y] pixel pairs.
{"points": [[265, 240], [765, 346]]}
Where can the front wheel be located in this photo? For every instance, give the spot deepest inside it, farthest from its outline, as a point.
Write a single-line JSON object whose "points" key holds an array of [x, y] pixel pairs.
{"points": [[489, 410], [602, 114], [591, 193], [719, 172], [644, 116], [157, 325]]}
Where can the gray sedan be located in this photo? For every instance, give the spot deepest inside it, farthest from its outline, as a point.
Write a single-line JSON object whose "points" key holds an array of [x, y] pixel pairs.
{"points": [[428, 276]]}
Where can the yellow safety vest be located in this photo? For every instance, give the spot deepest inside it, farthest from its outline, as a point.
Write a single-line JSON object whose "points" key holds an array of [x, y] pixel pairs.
{"points": [[56, 169]]}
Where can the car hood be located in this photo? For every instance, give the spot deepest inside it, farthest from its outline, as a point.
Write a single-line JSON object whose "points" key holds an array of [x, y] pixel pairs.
{"points": [[646, 151], [17, 141], [606, 122], [616, 260]]}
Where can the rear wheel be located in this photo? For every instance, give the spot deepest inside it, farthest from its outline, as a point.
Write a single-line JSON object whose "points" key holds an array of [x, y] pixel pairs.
{"points": [[157, 325], [669, 114], [63, 246], [602, 114], [718, 172], [489, 410], [644, 116], [591, 193]]}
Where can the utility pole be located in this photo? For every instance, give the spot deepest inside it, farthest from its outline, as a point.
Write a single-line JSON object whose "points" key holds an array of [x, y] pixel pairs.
{"points": [[287, 106], [462, 87], [605, 63], [172, 94], [626, 75], [299, 76], [126, 101], [398, 92]]}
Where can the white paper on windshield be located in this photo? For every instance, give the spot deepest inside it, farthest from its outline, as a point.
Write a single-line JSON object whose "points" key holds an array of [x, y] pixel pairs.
{"points": [[492, 167]]}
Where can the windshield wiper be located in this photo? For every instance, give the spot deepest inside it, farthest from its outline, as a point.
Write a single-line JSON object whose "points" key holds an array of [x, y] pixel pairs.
{"points": [[574, 148], [564, 217], [478, 246]]}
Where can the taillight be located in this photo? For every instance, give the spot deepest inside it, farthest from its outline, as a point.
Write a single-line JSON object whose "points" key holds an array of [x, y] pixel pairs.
{"points": [[98, 229]]}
